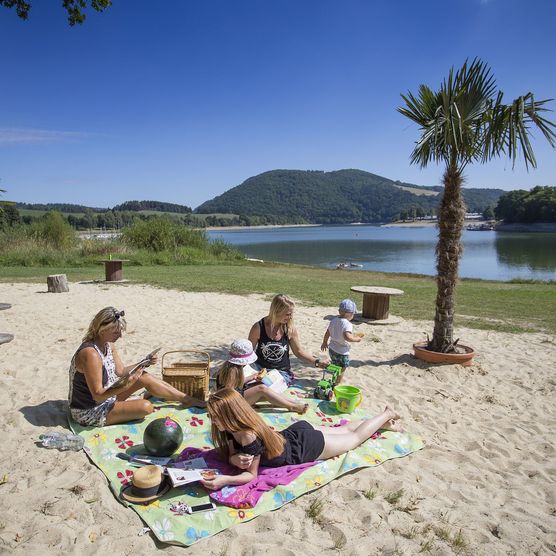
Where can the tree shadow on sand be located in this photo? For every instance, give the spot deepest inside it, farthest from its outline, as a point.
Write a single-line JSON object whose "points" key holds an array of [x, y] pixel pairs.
{"points": [[405, 359]]}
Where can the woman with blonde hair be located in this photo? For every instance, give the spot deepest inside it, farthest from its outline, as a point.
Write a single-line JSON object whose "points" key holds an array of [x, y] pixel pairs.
{"points": [[96, 366], [273, 335], [231, 375], [246, 441]]}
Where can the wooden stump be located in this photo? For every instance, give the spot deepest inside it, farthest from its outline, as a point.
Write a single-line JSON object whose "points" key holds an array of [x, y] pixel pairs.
{"points": [[376, 306], [57, 283]]}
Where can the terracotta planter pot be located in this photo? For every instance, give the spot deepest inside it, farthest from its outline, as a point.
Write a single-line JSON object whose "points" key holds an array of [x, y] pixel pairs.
{"points": [[421, 352]]}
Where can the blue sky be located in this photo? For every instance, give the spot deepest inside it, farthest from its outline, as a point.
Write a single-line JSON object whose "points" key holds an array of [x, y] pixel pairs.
{"points": [[181, 100]]}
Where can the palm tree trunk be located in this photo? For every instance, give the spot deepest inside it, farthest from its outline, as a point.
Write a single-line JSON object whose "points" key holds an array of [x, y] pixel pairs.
{"points": [[451, 217]]}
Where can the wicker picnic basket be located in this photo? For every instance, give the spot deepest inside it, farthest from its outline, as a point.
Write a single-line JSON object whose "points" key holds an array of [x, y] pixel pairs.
{"points": [[187, 370]]}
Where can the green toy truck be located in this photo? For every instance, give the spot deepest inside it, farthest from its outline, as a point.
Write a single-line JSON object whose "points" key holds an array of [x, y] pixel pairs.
{"points": [[325, 386]]}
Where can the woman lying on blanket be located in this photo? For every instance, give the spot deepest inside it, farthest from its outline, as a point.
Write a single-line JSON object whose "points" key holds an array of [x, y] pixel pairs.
{"points": [[96, 366], [247, 441], [231, 375], [274, 334]]}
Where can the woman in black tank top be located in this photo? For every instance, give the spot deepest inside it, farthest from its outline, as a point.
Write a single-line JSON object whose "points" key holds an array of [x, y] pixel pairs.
{"points": [[274, 334], [246, 441]]}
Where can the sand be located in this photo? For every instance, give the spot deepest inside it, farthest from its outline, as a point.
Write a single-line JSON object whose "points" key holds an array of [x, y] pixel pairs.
{"points": [[483, 484]]}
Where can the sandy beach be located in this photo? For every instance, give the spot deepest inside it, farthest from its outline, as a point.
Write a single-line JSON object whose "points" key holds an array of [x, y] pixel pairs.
{"points": [[483, 485]]}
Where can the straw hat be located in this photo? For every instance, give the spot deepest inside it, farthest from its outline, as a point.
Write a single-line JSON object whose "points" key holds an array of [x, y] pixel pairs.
{"points": [[241, 352], [148, 484]]}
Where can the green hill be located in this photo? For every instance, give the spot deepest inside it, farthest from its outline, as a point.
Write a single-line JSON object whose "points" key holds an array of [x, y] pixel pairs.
{"points": [[153, 206], [65, 208], [334, 197]]}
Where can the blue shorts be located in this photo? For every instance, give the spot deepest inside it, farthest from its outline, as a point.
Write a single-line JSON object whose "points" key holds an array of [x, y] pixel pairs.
{"points": [[339, 359]]}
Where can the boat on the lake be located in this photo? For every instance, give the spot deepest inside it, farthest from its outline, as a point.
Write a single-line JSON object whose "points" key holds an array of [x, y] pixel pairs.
{"points": [[340, 266], [480, 227]]}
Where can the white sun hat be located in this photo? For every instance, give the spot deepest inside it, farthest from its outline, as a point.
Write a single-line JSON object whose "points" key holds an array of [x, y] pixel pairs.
{"points": [[241, 352]]}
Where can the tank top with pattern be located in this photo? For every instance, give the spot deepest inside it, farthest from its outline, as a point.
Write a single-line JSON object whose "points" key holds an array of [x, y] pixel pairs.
{"points": [[79, 394], [273, 354]]}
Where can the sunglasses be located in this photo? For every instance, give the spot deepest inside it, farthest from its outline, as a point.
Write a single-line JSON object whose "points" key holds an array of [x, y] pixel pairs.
{"points": [[118, 314]]}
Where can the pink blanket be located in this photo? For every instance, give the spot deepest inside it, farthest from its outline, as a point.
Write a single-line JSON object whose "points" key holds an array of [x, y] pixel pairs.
{"points": [[247, 495]]}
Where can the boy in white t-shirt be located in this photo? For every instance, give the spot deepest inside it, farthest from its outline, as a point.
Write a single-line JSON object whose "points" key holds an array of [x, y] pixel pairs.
{"points": [[340, 333]]}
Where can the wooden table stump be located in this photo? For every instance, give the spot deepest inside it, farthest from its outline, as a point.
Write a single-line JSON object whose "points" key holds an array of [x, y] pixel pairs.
{"points": [[57, 283], [113, 269], [376, 303]]}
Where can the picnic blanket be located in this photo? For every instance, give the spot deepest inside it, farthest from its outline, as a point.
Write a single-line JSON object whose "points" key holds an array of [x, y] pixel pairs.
{"points": [[249, 494], [166, 517]]}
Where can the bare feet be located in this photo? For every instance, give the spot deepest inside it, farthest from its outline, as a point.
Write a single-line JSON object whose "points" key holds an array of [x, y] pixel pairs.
{"points": [[393, 425], [301, 408], [392, 413]]}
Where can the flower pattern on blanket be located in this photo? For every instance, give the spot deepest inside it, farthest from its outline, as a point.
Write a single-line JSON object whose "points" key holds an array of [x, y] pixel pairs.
{"points": [[102, 446]]}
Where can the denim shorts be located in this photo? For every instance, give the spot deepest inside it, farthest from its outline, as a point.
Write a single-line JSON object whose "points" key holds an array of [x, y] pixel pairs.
{"points": [[339, 359]]}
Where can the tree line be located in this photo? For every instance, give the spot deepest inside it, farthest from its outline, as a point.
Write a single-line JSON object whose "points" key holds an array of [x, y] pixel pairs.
{"points": [[520, 206]]}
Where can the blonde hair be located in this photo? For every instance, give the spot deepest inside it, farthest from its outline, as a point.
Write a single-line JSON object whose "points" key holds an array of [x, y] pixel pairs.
{"points": [[105, 318], [234, 415], [279, 304], [229, 376]]}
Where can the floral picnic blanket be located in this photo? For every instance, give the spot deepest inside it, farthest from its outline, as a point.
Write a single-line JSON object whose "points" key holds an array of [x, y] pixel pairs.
{"points": [[166, 517], [249, 494]]}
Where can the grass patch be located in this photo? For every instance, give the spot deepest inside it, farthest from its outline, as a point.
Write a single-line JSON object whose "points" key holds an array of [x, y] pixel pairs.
{"points": [[411, 534], [426, 547], [394, 497], [457, 541], [314, 511], [501, 306], [369, 494]]}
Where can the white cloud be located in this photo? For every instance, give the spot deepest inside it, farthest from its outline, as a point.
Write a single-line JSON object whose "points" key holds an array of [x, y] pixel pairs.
{"points": [[25, 136]]}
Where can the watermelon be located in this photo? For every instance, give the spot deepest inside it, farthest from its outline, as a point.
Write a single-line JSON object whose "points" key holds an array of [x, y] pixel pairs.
{"points": [[162, 437]]}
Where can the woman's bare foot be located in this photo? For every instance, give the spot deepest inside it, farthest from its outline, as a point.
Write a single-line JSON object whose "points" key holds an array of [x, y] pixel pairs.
{"points": [[393, 425], [393, 415], [301, 408]]}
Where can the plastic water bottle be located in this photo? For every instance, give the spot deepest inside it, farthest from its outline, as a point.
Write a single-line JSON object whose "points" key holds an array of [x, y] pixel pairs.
{"points": [[62, 441]]}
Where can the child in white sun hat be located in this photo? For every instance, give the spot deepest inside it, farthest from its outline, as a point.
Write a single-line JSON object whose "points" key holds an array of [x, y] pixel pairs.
{"points": [[232, 374], [340, 335]]}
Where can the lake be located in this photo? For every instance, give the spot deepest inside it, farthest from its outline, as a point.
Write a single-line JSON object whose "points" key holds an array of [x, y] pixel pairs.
{"points": [[487, 254]]}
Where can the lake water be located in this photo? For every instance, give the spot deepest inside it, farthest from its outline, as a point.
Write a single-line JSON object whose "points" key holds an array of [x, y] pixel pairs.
{"points": [[488, 255]]}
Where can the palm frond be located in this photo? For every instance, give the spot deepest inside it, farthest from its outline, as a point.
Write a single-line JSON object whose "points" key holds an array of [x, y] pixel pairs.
{"points": [[466, 120]]}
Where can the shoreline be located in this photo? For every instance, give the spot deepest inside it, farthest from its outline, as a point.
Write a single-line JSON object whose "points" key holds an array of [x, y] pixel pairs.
{"points": [[259, 227]]}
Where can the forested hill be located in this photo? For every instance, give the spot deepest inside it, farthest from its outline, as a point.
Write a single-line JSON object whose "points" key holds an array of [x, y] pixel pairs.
{"points": [[334, 197], [62, 207], [132, 206], [158, 206]]}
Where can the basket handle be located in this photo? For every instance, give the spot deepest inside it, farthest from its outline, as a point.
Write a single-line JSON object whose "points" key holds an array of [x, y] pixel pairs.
{"points": [[197, 352]]}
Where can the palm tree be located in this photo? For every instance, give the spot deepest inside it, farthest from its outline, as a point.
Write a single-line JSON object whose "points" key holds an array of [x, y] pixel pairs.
{"points": [[465, 122]]}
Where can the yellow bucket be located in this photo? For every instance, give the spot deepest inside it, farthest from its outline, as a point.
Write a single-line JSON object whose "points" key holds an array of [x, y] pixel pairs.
{"points": [[347, 398]]}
